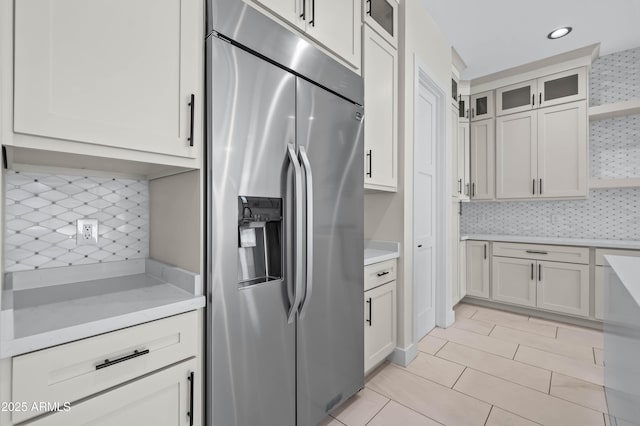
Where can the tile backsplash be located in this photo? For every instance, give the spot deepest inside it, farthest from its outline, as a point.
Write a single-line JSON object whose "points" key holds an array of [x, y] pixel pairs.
{"points": [[614, 153], [41, 211]]}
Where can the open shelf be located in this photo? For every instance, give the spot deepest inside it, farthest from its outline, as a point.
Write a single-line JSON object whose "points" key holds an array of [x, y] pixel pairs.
{"points": [[616, 109], [614, 183]]}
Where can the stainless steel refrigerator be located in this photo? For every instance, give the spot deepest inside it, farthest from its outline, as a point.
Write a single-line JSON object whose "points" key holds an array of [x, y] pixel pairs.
{"points": [[285, 224]]}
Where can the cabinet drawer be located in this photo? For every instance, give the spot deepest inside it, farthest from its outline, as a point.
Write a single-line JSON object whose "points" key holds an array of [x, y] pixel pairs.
{"points": [[379, 273], [76, 370], [601, 253], [543, 252]]}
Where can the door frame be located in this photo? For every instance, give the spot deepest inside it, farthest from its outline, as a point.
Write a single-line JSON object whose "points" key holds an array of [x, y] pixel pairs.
{"points": [[444, 314]]}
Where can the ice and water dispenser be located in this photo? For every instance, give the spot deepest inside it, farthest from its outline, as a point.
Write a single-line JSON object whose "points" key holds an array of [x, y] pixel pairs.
{"points": [[259, 240]]}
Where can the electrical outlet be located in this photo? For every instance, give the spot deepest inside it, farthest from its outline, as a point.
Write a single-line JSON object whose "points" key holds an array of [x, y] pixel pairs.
{"points": [[87, 232]]}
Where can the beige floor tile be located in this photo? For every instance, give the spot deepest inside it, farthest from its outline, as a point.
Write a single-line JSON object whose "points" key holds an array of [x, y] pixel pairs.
{"points": [[428, 398], [360, 408], [599, 356], [582, 336], [583, 370], [330, 421], [499, 417], [501, 315], [517, 322], [480, 327], [430, 344], [394, 414], [514, 371], [572, 350], [463, 310], [436, 369], [578, 391], [475, 340], [525, 402]]}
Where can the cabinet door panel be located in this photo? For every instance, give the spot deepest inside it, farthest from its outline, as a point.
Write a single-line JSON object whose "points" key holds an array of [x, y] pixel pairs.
{"points": [[562, 150], [161, 399], [456, 182], [463, 159], [336, 25], [563, 87], [455, 253], [380, 324], [122, 80], [514, 281], [382, 16], [482, 106], [516, 155], [516, 98], [563, 287], [483, 160], [289, 10], [380, 122], [478, 268]]}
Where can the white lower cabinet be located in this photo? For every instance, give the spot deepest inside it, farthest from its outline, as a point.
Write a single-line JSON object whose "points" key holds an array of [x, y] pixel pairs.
{"points": [[514, 280], [478, 268], [563, 287], [379, 313], [165, 398]]}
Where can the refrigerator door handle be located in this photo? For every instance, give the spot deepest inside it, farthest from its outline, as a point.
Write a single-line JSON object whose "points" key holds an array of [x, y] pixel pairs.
{"points": [[297, 293], [304, 159]]}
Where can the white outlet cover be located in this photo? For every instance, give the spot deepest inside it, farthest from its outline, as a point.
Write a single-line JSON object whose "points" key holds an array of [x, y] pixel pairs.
{"points": [[80, 224]]}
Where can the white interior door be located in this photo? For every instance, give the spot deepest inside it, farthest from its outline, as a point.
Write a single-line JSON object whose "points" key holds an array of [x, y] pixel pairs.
{"points": [[424, 213]]}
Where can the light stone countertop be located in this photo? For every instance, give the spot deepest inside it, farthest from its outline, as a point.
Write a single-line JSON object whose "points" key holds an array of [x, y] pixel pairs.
{"points": [[73, 306], [619, 244], [379, 251]]}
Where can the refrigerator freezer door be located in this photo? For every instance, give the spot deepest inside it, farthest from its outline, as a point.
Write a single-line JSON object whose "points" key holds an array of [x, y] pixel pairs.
{"points": [[331, 333], [251, 347]]}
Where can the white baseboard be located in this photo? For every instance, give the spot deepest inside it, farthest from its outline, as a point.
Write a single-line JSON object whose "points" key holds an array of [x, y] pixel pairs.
{"points": [[451, 318], [404, 356]]}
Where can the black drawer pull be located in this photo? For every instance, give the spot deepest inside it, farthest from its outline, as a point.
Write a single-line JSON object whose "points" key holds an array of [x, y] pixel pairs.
{"points": [[109, 363], [536, 252], [539, 272], [369, 302], [192, 105], [191, 397], [532, 272], [382, 274]]}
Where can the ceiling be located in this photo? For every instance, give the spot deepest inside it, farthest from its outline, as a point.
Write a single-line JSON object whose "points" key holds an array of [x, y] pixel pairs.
{"points": [[494, 35]]}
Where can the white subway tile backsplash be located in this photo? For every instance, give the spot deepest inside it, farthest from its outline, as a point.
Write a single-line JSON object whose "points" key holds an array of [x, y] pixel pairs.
{"points": [[41, 211]]}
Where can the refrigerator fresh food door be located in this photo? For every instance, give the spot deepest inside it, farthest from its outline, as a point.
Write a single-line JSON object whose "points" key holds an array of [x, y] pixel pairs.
{"points": [[331, 325], [251, 346]]}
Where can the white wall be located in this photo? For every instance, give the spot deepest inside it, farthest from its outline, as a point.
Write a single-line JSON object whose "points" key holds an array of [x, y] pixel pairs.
{"points": [[390, 216]]}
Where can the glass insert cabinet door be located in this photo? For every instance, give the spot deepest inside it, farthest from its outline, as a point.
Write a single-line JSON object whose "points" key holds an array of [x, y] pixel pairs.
{"points": [[563, 87], [482, 106], [382, 16], [517, 98]]}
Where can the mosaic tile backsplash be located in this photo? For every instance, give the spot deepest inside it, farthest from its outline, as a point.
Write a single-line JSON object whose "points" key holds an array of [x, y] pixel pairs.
{"points": [[41, 211], [614, 153]]}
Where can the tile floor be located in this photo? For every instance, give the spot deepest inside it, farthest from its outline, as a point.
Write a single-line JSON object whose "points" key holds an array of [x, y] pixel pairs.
{"points": [[490, 368]]}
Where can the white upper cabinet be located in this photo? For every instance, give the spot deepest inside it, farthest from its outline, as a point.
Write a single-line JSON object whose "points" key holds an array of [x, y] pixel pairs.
{"points": [[517, 155], [463, 108], [382, 16], [482, 106], [517, 97], [118, 73], [562, 150], [380, 73], [483, 142], [560, 88], [336, 25]]}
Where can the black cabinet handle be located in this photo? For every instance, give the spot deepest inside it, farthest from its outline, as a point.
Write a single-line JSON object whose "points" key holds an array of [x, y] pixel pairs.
{"points": [[537, 252], [466, 190], [473, 112], [190, 413], [109, 363], [467, 112], [485, 251], [460, 208], [473, 189], [459, 186], [419, 245], [532, 272], [382, 274], [192, 105], [540, 187], [370, 155], [533, 100], [540, 103], [313, 13], [370, 303], [303, 15], [534, 187], [369, 7], [539, 272]]}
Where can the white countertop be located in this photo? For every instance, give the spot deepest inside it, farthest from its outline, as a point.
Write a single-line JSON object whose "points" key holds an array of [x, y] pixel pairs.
{"points": [[379, 251], [628, 270], [619, 244], [36, 316]]}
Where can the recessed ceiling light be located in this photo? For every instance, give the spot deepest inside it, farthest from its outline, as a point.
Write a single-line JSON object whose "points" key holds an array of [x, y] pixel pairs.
{"points": [[559, 32]]}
